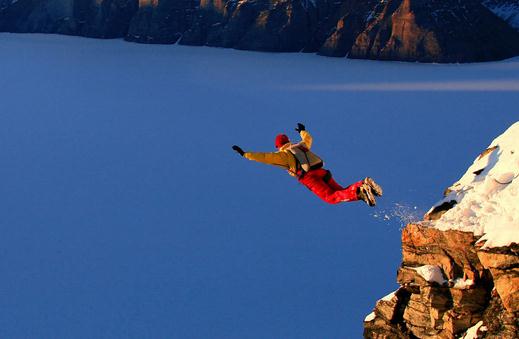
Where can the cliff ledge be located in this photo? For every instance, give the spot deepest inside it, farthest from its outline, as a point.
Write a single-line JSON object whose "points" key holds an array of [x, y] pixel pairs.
{"points": [[459, 276]]}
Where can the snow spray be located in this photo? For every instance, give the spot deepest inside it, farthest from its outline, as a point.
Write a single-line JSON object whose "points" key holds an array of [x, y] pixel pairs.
{"points": [[400, 213]]}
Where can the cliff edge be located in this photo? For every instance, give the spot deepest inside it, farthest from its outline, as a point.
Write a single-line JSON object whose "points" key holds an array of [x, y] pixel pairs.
{"points": [[459, 276]]}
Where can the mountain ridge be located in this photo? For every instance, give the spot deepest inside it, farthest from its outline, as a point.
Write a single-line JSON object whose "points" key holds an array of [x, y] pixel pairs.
{"points": [[402, 30]]}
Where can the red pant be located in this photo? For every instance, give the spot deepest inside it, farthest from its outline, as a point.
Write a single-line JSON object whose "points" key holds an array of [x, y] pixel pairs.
{"points": [[329, 190]]}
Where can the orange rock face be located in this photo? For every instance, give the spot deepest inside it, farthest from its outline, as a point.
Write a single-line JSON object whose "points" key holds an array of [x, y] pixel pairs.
{"points": [[144, 3], [453, 251], [399, 35], [474, 285], [433, 30], [503, 263]]}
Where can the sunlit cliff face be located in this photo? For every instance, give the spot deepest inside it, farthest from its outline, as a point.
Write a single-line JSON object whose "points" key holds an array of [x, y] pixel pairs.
{"points": [[218, 5], [148, 3]]}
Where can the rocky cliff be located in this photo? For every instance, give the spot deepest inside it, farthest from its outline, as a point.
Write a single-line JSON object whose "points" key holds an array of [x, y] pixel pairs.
{"points": [[161, 22], [434, 31], [507, 10], [90, 18], [460, 269], [410, 30]]}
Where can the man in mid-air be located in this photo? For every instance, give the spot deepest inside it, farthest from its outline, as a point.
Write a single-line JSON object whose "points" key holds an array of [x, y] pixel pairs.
{"points": [[307, 167]]}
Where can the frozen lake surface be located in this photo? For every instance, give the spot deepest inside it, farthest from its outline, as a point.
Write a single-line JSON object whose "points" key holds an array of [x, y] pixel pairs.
{"points": [[125, 213]]}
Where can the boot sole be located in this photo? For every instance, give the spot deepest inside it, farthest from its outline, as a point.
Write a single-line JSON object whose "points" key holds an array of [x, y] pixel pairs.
{"points": [[369, 195], [377, 190]]}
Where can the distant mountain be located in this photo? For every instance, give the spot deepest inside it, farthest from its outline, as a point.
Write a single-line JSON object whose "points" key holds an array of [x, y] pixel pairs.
{"points": [[408, 30], [508, 10], [91, 18], [435, 31]]}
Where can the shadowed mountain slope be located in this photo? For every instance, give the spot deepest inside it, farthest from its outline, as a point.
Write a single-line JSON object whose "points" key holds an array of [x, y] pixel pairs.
{"points": [[407, 30]]}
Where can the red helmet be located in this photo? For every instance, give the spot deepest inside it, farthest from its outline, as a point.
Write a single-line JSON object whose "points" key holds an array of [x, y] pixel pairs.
{"points": [[281, 139]]}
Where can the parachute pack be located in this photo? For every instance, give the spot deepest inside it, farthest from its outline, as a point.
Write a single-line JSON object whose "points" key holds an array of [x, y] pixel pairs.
{"points": [[306, 159]]}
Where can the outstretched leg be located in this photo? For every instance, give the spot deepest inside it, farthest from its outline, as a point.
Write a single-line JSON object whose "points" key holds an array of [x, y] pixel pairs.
{"points": [[334, 185], [332, 192]]}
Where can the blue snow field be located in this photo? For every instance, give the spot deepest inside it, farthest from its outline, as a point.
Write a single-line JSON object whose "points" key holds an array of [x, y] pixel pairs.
{"points": [[125, 213]]}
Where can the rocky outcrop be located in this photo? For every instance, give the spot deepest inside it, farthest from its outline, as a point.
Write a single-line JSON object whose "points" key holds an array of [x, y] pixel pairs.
{"points": [[435, 31], [348, 21], [447, 286], [460, 267], [503, 263], [104, 18], [48, 16], [161, 22], [274, 26], [410, 30]]}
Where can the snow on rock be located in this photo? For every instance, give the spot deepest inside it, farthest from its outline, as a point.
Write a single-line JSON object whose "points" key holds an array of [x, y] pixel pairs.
{"points": [[390, 296], [370, 317], [462, 284], [486, 198], [431, 273], [472, 333]]}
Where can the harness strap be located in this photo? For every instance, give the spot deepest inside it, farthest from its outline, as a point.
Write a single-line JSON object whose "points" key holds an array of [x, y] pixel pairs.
{"points": [[326, 178]]}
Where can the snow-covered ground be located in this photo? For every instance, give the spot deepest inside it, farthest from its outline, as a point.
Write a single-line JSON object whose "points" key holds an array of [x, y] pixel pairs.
{"points": [[125, 213], [487, 195]]}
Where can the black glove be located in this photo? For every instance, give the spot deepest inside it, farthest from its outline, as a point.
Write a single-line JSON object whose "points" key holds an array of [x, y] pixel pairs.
{"points": [[300, 127], [238, 149]]}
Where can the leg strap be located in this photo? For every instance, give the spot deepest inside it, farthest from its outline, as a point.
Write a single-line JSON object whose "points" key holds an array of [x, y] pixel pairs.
{"points": [[327, 176]]}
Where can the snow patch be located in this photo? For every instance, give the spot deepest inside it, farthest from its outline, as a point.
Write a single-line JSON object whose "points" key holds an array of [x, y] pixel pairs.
{"points": [[370, 317], [472, 333], [487, 194], [389, 297], [462, 284], [431, 273]]}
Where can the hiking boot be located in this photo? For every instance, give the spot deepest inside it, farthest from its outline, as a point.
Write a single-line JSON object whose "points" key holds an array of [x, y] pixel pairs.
{"points": [[375, 188], [365, 194]]}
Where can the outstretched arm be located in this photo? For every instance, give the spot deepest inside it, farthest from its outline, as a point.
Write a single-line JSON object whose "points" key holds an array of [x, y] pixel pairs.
{"points": [[273, 158], [305, 136]]}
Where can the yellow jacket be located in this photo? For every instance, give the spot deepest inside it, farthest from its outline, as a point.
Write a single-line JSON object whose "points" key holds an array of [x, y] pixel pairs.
{"points": [[282, 158]]}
